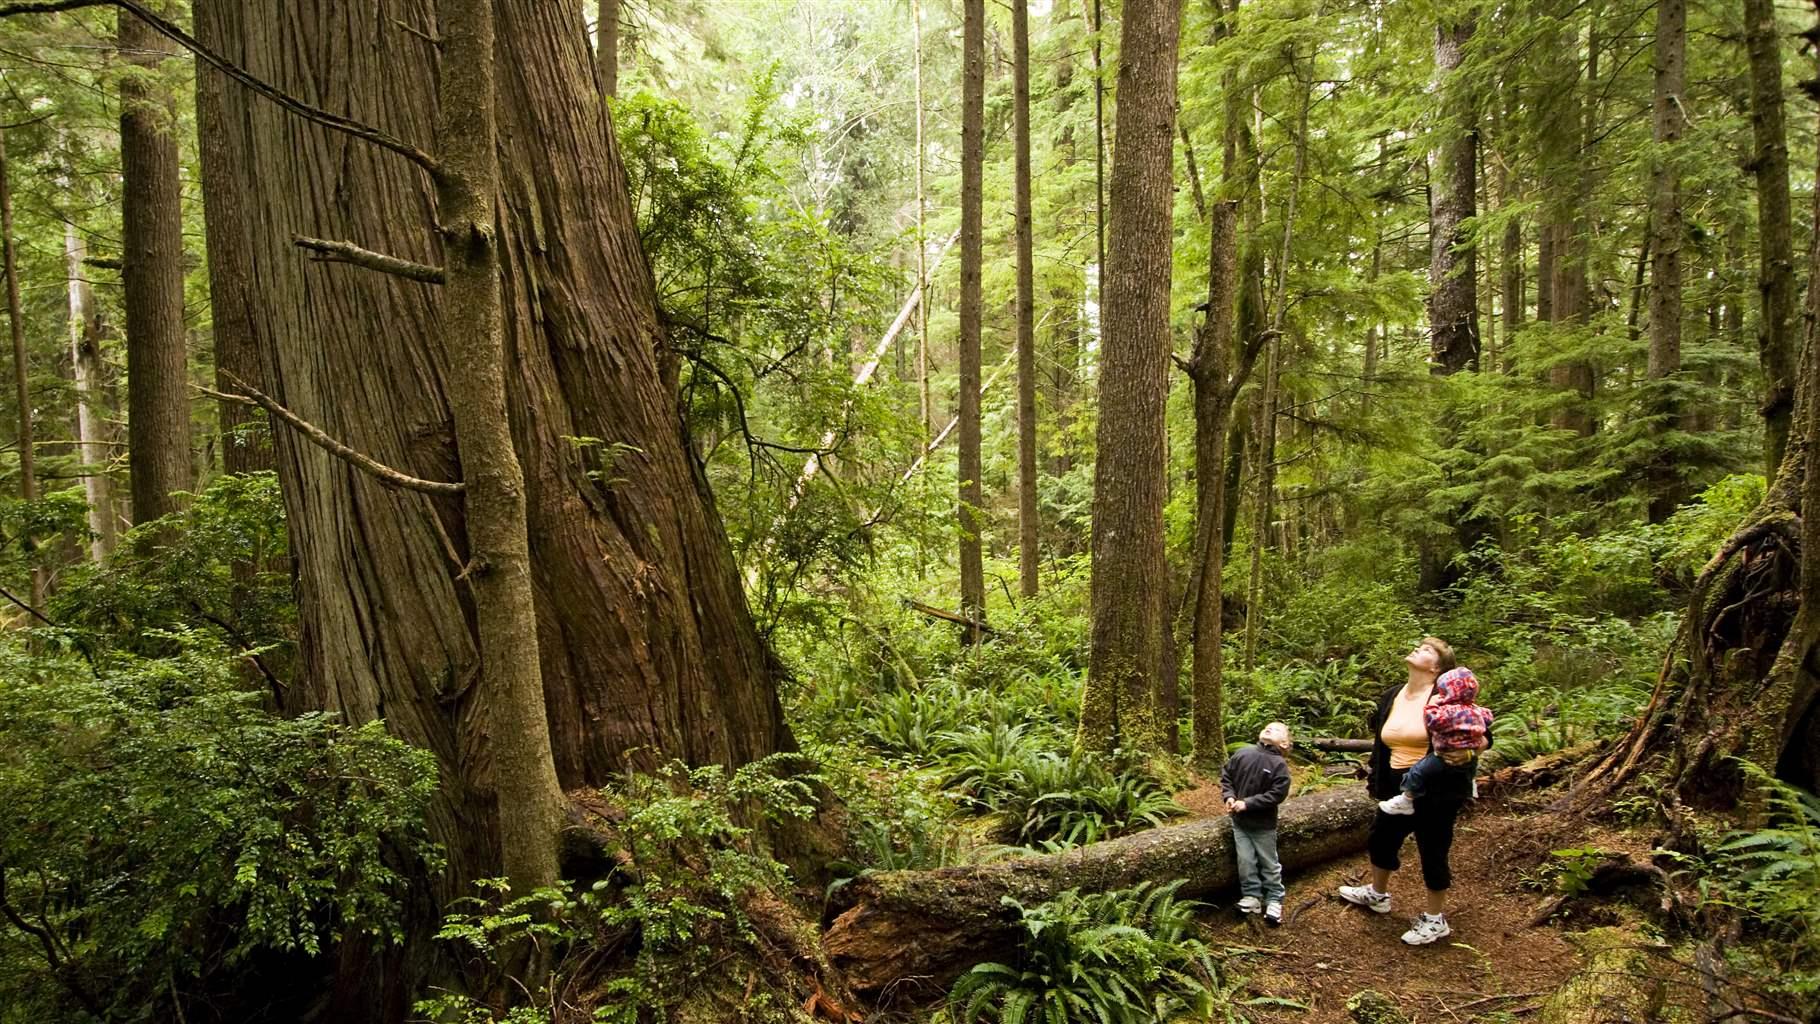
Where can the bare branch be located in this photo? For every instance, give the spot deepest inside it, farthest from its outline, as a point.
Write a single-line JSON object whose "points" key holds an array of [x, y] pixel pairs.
{"points": [[386, 475], [347, 252], [239, 74]]}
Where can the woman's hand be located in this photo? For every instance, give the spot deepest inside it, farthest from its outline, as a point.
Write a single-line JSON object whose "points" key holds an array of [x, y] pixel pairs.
{"points": [[1457, 758]]}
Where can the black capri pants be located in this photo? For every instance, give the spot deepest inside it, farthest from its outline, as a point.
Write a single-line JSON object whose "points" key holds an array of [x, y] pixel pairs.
{"points": [[1432, 825]]}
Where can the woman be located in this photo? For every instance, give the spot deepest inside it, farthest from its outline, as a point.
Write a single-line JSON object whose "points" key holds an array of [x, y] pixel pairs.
{"points": [[1399, 741]]}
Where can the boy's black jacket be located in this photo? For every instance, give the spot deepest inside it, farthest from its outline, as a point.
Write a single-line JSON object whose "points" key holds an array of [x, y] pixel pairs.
{"points": [[1385, 782], [1259, 776]]}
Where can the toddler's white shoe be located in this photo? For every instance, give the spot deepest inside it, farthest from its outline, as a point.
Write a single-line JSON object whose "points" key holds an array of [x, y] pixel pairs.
{"points": [[1399, 804]]}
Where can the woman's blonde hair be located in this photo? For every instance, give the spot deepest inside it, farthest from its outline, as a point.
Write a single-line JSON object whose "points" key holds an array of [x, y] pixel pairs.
{"points": [[1444, 656]]}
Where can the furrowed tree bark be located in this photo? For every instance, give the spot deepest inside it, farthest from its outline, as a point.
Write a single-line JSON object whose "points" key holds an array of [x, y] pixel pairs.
{"points": [[1029, 556], [158, 400], [909, 934], [1130, 575], [972, 495], [924, 404], [22, 389], [645, 644], [1666, 232], [85, 361], [246, 438], [1776, 260]]}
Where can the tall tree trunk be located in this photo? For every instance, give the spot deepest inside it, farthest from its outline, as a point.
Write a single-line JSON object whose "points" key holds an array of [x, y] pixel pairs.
{"points": [[1665, 234], [1776, 263], [246, 442], [1264, 437], [158, 401], [1453, 301], [85, 361], [927, 410], [22, 388], [972, 495], [1029, 557], [499, 552], [645, 644], [1565, 118], [606, 49], [1216, 385], [1130, 575]]}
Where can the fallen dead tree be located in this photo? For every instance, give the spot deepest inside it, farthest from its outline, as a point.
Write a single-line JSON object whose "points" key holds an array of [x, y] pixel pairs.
{"points": [[916, 931]]}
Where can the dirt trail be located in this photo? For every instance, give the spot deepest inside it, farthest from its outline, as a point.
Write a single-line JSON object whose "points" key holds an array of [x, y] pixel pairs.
{"points": [[1328, 949]]}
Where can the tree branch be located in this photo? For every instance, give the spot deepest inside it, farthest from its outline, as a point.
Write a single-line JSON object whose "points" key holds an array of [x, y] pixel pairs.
{"points": [[1248, 359], [386, 475], [239, 74], [347, 252]]}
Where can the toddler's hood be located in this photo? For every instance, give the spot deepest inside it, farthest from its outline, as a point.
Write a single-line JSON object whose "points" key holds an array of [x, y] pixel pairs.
{"points": [[1456, 686]]}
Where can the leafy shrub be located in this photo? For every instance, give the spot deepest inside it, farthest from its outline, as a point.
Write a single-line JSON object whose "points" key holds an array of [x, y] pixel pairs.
{"points": [[161, 832], [221, 565], [676, 901], [1119, 957]]}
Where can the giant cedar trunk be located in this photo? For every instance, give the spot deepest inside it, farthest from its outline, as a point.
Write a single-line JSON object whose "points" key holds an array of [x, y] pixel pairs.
{"points": [[158, 399], [1130, 577], [647, 648]]}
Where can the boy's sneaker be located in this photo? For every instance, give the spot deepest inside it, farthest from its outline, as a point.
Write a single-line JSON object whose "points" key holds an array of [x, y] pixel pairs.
{"points": [[1273, 914], [1427, 928], [1367, 897], [1250, 905], [1399, 804]]}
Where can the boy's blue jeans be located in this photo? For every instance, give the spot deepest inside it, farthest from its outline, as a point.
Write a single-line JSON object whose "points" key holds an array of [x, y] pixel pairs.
{"points": [[1428, 771], [1260, 872]]}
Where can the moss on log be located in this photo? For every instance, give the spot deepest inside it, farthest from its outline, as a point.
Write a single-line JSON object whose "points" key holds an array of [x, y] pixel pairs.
{"points": [[920, 929]]}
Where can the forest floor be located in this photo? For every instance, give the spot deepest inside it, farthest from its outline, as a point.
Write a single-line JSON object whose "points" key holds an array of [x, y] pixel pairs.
{"points": [[1493, 963]]}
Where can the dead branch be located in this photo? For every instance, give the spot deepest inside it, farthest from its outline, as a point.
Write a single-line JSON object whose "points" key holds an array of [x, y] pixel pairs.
{"points": [[347, 252], [386, 475], [945, 615]]}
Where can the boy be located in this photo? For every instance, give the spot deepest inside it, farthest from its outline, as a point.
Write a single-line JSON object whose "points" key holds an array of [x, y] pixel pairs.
{"points": [[1254, 781], [1456, 733]]}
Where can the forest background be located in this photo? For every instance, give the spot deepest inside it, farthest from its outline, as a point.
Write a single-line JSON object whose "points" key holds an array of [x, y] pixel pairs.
{"points": [[1490, 331]]}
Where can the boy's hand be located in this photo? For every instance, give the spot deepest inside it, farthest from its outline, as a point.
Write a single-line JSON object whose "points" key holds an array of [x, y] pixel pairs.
{"points": [[1237, 805]]}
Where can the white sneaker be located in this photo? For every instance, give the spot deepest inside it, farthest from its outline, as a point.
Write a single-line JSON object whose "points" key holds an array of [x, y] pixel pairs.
{"points": [[1250, 905], [1399, 804], [1367, 897], [1427, 929], [1273, 913]]}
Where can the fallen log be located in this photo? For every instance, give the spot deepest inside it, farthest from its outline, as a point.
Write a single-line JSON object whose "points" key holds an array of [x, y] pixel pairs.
{"points": [[914, 932]]}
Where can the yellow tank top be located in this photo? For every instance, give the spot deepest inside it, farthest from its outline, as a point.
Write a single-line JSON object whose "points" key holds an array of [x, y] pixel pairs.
{"points": [[1404, 732]]}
